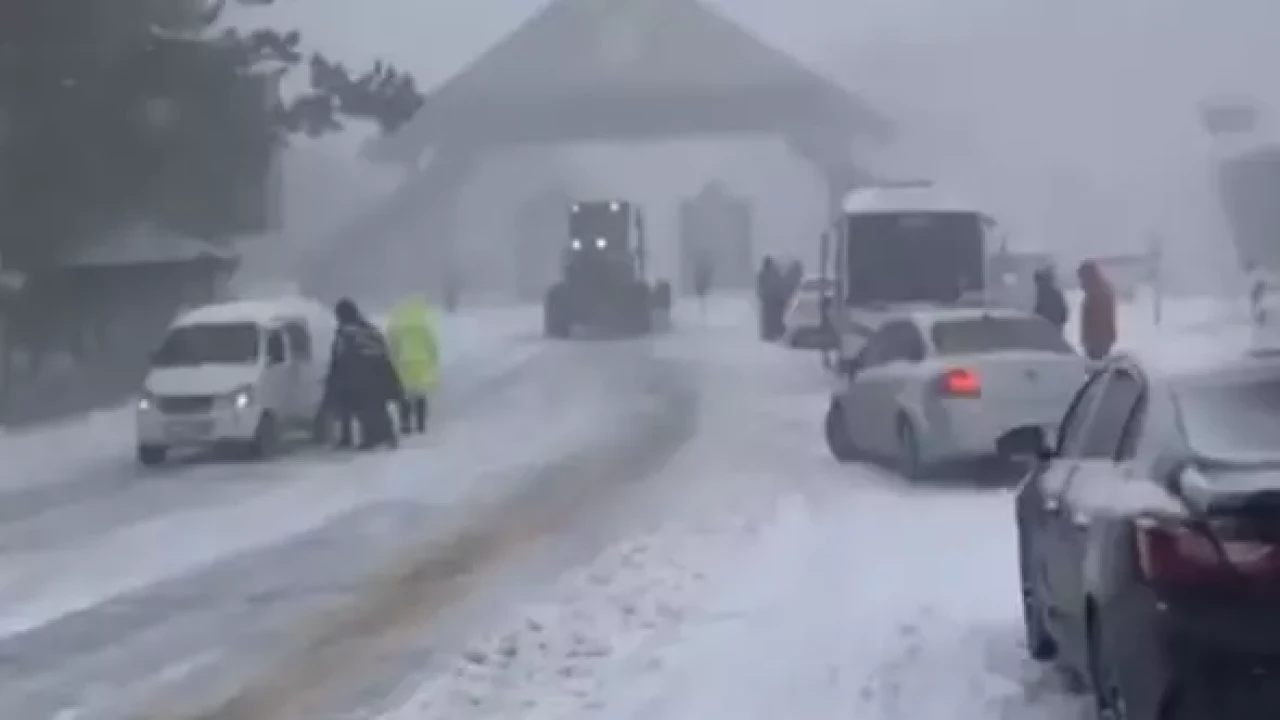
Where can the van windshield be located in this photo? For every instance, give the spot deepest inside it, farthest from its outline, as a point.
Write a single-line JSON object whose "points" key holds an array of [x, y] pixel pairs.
{"points": [[914, 257], [210, 344]]}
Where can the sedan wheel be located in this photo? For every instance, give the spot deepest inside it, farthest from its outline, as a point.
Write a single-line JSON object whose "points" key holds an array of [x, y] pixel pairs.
{"points": [[910, 464], [836, 430]]}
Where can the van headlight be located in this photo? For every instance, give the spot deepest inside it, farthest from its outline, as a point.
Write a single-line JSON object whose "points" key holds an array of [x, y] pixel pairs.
{"points": [[241, 398]]}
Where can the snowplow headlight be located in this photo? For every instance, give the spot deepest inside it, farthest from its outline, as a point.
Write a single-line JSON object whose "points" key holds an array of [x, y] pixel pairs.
{"points": [[576, 244], [601, 243]]}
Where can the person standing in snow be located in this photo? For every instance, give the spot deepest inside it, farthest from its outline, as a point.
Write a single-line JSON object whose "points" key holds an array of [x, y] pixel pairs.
{"points": [[415, 351], [362, 380], [1051, 303], [702, 280], [1097, 312], [770, 293]]}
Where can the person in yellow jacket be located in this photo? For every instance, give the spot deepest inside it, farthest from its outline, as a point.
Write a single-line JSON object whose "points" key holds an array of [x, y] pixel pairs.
{"points": [[415, 350]]}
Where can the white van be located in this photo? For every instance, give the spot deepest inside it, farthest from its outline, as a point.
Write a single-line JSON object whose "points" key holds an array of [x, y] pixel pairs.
{"points": [[244, 374]]}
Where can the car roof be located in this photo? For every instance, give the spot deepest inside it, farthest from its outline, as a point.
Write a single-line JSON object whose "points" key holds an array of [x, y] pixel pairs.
{"points": [[263, 311], [904, 198]]}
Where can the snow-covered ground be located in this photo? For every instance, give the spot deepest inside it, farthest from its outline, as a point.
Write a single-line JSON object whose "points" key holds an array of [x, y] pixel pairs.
{"points": [[785, 586], [476, 346], [655, 530], [85, 534]]}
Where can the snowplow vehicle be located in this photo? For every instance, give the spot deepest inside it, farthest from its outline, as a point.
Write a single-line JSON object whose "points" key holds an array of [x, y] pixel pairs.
{"points": [[603, 284]]}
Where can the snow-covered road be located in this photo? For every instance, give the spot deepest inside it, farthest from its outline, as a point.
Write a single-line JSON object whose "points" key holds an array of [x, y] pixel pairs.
{"points": [[605, 530]]}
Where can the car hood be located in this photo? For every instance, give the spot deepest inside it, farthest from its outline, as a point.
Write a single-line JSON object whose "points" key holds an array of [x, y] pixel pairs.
{"points": [[1211, 486], [200, 380]]}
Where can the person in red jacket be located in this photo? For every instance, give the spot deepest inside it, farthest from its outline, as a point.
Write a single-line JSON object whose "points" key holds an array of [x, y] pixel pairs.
{"points": [[1097, 311]]}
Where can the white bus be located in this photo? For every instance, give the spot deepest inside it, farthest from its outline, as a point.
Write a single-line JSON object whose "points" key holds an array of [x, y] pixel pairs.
{"points": [[902, 243]]}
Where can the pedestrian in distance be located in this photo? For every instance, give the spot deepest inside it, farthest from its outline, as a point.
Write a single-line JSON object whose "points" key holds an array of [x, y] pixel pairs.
{"points": [[1051, 303], [1097, 312], [702, 273], [415, 351], [770, 292]]}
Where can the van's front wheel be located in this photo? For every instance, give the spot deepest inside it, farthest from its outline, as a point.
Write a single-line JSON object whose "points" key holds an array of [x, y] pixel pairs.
{"points": [[152, 455], [266, 438]]}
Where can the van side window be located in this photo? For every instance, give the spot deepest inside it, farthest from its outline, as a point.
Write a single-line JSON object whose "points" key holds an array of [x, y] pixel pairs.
{"points": [[299, 341], [276, 353]]}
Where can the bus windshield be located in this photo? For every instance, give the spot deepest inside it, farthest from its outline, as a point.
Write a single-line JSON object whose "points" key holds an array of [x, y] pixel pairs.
{"points": [[914, 257]]}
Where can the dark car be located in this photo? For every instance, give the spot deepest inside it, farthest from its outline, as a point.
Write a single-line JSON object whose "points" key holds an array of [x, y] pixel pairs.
{"points": [[1149, 540]]}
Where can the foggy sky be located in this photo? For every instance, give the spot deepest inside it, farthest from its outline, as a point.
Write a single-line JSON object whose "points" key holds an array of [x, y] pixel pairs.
{"points": [[1012, 100]]}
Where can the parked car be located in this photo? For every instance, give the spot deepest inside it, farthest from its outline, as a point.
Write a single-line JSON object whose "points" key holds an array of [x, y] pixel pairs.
{"points": [[1149, 539], [805, 325], [939, 384]]}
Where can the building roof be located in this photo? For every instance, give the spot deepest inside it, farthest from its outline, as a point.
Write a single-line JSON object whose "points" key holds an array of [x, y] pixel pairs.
{"points": [[576, 65]]}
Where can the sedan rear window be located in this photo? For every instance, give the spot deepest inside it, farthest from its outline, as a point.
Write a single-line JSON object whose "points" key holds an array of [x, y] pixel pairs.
{"points": [[995, 334], [1231, 417]]}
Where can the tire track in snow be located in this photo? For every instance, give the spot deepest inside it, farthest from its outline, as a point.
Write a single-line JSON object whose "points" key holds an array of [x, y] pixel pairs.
{"points": [[877, 600], [62, 514], [611, 625], [426, 581], [123, 617], [600, 627], [897, 605]]}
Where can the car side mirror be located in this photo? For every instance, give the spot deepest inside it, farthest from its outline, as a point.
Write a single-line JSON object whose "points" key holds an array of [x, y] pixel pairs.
{"points": [[1170, 470], [1026, 443]]}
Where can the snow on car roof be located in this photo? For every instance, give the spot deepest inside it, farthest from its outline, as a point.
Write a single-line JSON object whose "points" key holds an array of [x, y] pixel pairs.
{"points": [[259, 311], [920, 198]]}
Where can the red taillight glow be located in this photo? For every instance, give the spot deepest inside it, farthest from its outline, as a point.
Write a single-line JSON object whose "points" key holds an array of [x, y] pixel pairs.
{"points": [[960, 382], [1170, 552]]}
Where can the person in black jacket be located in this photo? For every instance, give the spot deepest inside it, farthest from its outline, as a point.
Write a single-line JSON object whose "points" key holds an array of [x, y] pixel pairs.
{"points": [[362, 380], [770, 291], [1051, 304], [702, 274]]}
